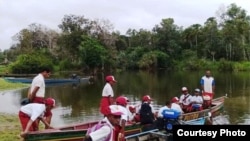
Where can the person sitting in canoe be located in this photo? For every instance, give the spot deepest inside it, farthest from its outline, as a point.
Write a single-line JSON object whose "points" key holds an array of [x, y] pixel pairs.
{"points": [[168, 114], [133, 116], [185, 100], [197, 100], [176, 104], [172, 104], [168, 106], [147, 116]]}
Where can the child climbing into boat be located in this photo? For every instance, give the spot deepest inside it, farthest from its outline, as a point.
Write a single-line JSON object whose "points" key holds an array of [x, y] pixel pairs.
{"points": [[105, 129]]}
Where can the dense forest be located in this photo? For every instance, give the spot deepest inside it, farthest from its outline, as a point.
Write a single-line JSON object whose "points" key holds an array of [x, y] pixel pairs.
{"points": [[223, 42]]}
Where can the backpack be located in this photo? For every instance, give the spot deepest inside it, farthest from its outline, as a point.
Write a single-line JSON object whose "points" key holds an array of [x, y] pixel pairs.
{"points": [[98, 126], [25, 101], [146, 115]]}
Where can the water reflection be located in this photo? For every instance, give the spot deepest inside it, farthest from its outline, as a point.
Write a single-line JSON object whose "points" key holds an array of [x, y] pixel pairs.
{"points": [[221, 120], [10, 101], [245, 119], [80, 103]]}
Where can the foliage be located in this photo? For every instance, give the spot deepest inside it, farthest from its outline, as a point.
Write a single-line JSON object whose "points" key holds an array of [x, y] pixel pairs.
{"points": [[241, 66], [195, 64], [225, 65], [30, 63], [133, 56], [85, 43], [65, 64], [2, 57], [92, 52], [122, 61], [153, 59], [4, 69]]}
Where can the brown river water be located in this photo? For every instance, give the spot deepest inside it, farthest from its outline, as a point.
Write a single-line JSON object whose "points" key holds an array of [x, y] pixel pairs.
{"points": [[80, 102]]}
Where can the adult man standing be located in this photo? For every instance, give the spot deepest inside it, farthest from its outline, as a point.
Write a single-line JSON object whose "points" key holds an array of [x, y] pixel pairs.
{"points": [[207, 83], [107, 94], [37, 89], [36, 92]]}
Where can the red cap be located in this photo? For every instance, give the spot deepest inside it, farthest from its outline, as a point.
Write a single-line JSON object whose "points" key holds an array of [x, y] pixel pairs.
{"points": [[50, 101], [146, 98], [175, 99], [110, 78], [121, 100]]}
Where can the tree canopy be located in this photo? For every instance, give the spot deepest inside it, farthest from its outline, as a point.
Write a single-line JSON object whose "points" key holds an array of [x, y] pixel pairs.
{"points": [[93, 44]]}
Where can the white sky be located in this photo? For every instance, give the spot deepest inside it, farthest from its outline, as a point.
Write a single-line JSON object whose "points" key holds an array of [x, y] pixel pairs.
{"points": [[16, 15]]}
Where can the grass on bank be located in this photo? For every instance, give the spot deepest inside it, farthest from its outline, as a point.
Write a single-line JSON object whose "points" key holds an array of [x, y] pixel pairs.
{"points": [[10, 127], [4, 85]]}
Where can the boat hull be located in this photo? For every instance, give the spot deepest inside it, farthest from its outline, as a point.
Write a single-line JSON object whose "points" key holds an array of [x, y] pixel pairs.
{"points": [[152, 135], [73, 133], [47, 81], [215, 110], [78, 132]]}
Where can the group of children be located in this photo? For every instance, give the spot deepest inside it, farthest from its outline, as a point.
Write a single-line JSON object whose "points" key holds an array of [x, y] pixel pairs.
{"points": [[144, 112], [190, 102], [117, 113]]}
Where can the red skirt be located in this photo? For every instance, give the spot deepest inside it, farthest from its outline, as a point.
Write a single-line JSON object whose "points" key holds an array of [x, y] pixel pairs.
{"points": [[38, 100], [24, 119], [211, 95], [104, 104]]}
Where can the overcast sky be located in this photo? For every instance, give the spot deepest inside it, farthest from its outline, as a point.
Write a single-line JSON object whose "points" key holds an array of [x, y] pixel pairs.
{"points": [[16, 15]]}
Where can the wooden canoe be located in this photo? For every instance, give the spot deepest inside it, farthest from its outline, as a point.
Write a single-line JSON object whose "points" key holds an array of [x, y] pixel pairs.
{"points": [[152, 135], [198, 121], [77, 132], [216, 108], [73, 132]]}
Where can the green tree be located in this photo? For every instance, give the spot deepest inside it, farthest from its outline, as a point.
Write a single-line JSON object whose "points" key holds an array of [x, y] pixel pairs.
{"points": [[93, 54], [168, 38], [31, 63], [235, 28], [73, 27], [153, 60]]}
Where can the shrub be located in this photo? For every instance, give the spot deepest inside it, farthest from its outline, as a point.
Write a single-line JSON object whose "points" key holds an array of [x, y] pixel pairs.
{"points": [[30, 63]]}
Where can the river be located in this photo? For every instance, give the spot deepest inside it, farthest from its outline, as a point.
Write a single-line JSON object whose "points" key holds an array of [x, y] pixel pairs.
{"points": [[80, 102]]}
